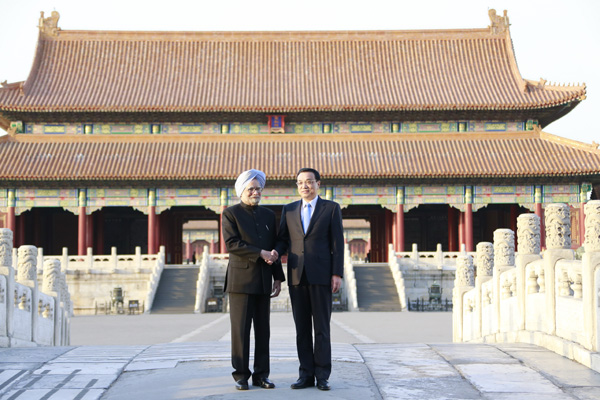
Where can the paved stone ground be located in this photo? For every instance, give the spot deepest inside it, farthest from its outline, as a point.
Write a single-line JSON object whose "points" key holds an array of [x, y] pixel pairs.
{"points": [[371, 361]]}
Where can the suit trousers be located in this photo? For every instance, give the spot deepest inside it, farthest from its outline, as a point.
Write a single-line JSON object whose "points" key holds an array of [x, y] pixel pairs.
{"points": [[312, 304], [244, 310]]}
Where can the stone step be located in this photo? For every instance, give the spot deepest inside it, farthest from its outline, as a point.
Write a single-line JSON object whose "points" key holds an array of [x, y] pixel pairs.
{"points": [[375, 288], [176, 292]]}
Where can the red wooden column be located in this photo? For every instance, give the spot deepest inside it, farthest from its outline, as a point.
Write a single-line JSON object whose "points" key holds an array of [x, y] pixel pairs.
{"points": [[400, 219], [400, 228], [461, 230], [152, 222], [222, 248], [89, 234], [452, 229], [581, 223], [513, 223], [157, 234], [224, 202], [152, 230], [583, 189], [539, 211], [82, 226], [188, 250], [469, 218], [469, 227], [11, 221], [394, 231], [389, 231]]}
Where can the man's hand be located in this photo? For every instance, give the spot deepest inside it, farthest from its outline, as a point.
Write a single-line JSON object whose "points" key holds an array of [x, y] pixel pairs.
{"points": [[269, 256], [276, 289], [266, 255], [336, 283]]}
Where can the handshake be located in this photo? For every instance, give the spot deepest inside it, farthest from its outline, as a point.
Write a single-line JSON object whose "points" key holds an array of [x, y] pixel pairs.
{"points": [[269, 257]]}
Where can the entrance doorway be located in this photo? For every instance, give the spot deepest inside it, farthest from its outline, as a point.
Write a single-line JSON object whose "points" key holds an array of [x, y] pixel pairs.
{"points": [[50, 228], [124, 228], [197, 235]]}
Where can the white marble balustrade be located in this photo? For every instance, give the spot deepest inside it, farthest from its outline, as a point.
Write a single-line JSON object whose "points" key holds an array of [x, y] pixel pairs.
{"points": [[31, 315], [548, 298]]}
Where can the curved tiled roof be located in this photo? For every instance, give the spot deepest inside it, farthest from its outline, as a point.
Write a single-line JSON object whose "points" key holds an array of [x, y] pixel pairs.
{"points": [[97, 71], [341, 156]]}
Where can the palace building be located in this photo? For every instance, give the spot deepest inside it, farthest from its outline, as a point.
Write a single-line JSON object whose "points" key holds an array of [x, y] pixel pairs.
{"points": [[119, 138]]}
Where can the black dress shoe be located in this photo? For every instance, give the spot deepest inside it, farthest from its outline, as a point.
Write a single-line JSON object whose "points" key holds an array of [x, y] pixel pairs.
{"points": [[264, 383], [242, 384], [302, 383], [322, 384]]}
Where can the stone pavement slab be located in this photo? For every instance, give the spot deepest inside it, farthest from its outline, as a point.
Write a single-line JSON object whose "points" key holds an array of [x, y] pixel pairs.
{"points": [[212, 380], [368, 363], [414, 371], [360, 371], [562, 371]]}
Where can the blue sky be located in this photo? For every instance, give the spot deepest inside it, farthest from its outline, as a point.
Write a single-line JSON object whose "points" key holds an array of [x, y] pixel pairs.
{"points": [[554, 40]]}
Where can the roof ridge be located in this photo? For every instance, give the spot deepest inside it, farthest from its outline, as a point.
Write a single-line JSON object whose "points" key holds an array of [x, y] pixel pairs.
{"points": [[563, 87], [295, 137], [300, 35], [591, 147]]}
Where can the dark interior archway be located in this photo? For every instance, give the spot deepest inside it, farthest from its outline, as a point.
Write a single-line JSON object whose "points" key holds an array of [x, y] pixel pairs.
{"points": [[50, 228]]}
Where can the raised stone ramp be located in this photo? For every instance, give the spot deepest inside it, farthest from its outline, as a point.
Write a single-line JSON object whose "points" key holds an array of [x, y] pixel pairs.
{"points": [[176, 292], [375, 288]]}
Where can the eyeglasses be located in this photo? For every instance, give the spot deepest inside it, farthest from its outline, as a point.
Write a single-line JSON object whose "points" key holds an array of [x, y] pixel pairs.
{"points": [[254, 189], [308, 182]]}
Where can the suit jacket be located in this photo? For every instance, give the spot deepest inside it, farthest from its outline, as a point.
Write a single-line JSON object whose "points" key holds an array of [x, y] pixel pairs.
{"points": [[319, 252], [247, 230]]}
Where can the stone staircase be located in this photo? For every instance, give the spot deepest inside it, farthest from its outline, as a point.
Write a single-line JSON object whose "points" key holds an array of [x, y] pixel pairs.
{"points": [[176, 292], [375, 288]]}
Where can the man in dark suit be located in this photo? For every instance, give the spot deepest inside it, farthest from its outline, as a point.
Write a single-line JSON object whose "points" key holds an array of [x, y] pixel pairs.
{"points": [[253, 276], [311, 232]]}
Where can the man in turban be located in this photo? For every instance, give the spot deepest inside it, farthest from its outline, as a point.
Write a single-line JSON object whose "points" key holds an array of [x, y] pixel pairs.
{"points": [[254, 275]]}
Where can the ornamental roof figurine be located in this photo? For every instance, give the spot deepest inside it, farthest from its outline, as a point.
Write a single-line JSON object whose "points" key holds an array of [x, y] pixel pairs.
{"points": [[498, 24], [49, 25]]}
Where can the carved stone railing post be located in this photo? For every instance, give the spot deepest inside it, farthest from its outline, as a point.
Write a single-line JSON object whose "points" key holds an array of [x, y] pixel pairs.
{"points": [[504, 259], [7, 279], [27, 265], [485, 260], [592, 226], [485, 269], [529, 245], [51, 285], [27, 276], [590, 267], [464, 281], [504, 248], [558, 243], [558, 226], [528, 234]]}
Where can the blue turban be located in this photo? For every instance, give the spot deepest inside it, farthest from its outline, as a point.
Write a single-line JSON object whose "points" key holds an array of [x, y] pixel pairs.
{"points": [[245, 177]]}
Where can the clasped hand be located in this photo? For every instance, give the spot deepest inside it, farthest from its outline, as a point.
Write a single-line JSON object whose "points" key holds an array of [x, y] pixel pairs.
{"points": [[269, 257]]}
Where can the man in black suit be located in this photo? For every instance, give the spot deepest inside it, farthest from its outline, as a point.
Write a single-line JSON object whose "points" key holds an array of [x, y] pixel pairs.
{"points": [[253, 276], [311, 232]]}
